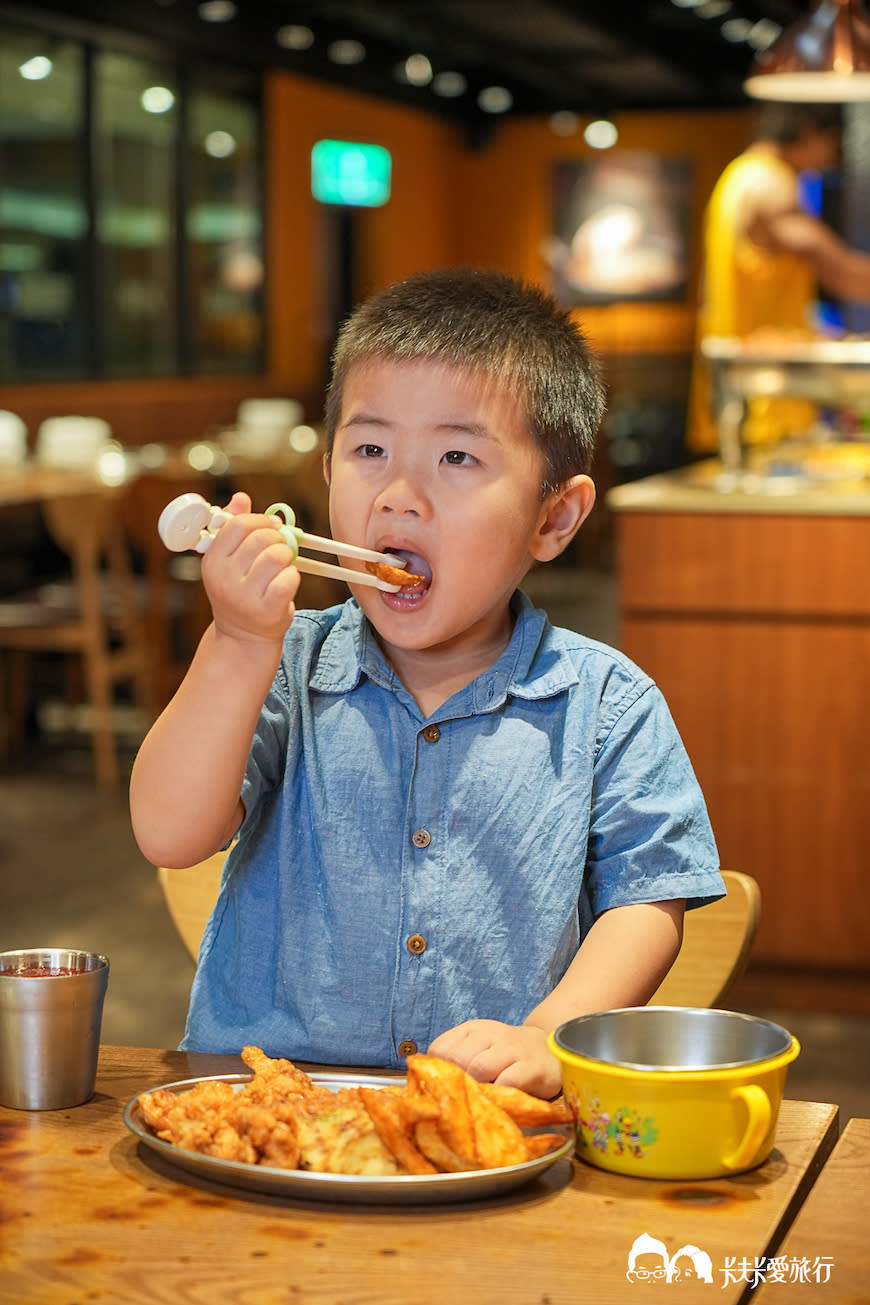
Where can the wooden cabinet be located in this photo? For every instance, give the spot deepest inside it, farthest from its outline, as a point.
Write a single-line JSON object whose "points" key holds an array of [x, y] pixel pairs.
{"points": [[756, 626]]}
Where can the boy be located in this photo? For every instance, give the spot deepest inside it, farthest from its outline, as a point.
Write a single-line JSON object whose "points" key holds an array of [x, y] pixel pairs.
{"points": [[438, 797]]}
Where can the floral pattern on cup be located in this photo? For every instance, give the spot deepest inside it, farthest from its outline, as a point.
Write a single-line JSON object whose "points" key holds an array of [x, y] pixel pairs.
{"points": [[623, 1133]]}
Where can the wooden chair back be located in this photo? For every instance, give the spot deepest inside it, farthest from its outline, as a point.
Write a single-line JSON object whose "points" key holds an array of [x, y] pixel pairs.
{"points": [[190, 895], [717, 939], [97, 620]]}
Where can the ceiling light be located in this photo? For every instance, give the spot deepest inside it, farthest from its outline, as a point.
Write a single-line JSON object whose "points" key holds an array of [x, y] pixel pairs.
{"points": [[713, 8], [495, 99], [824, 57], [216, 11], [36, 69], [220, 144], [601, 134], [736, 29], [449, 84], [346, 52], [157, 99], [763, 34], [418, 70], [293, 36]]}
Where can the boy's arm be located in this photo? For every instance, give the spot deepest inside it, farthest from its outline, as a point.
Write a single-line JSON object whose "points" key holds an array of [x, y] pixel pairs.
{"points": [[187, 777], [621, 962]]}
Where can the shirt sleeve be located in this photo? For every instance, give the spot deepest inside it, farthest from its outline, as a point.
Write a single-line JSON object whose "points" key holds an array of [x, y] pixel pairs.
{"points": [[650, 835]]}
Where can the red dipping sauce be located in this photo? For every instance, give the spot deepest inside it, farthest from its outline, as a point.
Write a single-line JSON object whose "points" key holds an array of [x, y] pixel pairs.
{"points": [[43, 971]]}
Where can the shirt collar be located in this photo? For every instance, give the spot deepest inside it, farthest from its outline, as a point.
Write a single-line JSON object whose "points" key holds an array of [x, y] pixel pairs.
{"points": [[535, 664]]}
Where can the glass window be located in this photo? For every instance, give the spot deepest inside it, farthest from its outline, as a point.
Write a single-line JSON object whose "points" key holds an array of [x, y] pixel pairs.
{"points": [[131, 240], [43, 208], [225, 231], [135, 132]]}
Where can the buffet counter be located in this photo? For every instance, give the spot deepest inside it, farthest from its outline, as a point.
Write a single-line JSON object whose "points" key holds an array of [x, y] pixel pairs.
{"points": [[746, 598]]}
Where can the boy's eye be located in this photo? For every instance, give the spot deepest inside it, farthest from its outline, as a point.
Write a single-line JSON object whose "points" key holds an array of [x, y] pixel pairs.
{"points": [[456, 458], [371, 451]]}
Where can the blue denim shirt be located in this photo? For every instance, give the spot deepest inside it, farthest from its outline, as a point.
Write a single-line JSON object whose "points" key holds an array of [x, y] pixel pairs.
{"points": [[395, 874]]}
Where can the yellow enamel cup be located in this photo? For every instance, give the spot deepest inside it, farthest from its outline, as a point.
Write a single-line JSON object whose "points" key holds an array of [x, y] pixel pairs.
{"points": [[674, 1092]]}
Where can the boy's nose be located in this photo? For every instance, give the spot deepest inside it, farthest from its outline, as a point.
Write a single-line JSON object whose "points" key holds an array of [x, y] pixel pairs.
{"points": [[401, 495]]}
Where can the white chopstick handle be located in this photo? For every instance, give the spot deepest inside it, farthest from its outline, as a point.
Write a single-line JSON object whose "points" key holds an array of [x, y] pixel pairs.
{"points": [[190, 522]]}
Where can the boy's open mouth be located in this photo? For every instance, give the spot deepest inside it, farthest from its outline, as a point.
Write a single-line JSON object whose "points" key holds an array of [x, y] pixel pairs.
{"points": [[417, 566]]}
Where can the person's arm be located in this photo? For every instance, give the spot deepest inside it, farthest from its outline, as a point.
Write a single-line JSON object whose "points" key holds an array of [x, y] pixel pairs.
{"points": [[774, 218], [842, 271], [621, 962], [187, 778]]}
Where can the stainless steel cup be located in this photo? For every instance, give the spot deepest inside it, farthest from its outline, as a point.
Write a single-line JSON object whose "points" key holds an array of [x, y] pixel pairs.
{"points": [[51, 1010]]}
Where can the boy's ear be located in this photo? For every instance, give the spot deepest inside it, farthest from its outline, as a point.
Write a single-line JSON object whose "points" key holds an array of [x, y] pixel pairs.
{"points": [[562, 515], [327, 467]]}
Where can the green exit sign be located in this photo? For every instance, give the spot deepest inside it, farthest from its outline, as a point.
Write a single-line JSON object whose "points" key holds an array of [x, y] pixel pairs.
{"points": [[343, 172]]}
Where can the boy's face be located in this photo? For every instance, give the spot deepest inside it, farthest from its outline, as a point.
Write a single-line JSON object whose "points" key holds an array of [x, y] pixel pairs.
{"points": [[435, 463]]}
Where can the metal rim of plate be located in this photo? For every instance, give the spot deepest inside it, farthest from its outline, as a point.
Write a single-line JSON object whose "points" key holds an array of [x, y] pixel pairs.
{"points": [[403, 1189]]}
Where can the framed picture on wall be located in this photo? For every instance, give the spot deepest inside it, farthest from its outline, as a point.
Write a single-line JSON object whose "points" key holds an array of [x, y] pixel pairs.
{"points": [[620, 228]]}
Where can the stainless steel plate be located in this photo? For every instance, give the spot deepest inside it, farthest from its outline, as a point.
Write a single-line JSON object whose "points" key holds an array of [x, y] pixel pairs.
{"points": [[408, 1189]]}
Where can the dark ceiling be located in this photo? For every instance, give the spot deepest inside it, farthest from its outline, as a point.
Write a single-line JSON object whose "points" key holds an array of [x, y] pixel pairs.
{"points": [[590, 56]]}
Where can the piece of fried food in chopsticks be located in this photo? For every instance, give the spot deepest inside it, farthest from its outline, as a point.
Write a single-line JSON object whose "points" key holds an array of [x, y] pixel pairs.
{"points": [[394, 575]]}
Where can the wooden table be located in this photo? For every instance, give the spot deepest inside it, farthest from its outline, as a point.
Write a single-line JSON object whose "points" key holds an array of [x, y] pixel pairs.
{"points": [[826, 1253], [87, 1213]]}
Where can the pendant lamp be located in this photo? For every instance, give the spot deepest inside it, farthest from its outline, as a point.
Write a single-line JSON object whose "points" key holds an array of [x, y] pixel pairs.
{"points": [[824, 57]]}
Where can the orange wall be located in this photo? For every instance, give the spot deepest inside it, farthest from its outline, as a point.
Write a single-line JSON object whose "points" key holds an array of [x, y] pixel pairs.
{"points": [[409, 233], [449, 204]]}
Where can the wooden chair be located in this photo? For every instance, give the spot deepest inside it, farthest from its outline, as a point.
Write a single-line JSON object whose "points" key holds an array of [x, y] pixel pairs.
{"points": [[190, 895], [717, 939], [97, 622]]}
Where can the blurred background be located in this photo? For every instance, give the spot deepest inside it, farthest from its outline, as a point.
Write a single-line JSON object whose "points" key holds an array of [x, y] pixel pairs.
{"points": [[192, 198]]}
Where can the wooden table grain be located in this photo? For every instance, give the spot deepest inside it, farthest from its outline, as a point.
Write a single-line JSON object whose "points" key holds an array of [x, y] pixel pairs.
{"points": [[87, 1213], [826, 1253]]}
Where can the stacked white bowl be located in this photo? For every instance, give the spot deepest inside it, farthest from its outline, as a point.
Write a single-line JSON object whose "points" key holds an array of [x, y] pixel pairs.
{"points": [[72, 443], [264, 425], [13, 439]]}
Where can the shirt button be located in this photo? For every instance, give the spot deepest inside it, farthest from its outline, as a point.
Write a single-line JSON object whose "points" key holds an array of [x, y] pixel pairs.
{"points": [[407, 1048], [431, 734], [417, 944], [421, 838]]}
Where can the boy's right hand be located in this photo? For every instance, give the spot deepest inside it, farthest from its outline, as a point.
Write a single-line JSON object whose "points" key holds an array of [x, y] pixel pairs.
{"points": [[249, 576]]}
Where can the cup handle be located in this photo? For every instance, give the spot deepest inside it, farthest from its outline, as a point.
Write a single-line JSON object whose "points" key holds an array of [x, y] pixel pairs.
{"points": [[758, 1104]]}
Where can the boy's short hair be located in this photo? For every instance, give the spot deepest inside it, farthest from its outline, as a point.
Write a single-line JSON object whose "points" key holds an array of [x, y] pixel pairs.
{"points": [[492, 323]]}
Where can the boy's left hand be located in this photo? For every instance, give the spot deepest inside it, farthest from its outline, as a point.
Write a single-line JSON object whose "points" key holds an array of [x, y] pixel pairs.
{"points": [[511, 1054]]}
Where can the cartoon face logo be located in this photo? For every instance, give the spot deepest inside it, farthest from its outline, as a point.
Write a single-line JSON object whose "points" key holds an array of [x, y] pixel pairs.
{"points": [[648, 1261]]}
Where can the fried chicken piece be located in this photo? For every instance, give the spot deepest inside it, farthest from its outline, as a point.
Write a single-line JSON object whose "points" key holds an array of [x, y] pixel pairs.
{"points": [[394, 575], [498, 1140], [430, 1141], [539, 1144], [344, 1141], [525, 1109], [386, 1110]]}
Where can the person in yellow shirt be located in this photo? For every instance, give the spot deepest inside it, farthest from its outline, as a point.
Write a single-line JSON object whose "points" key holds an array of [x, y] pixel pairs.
{"points": [[766, 257]]}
